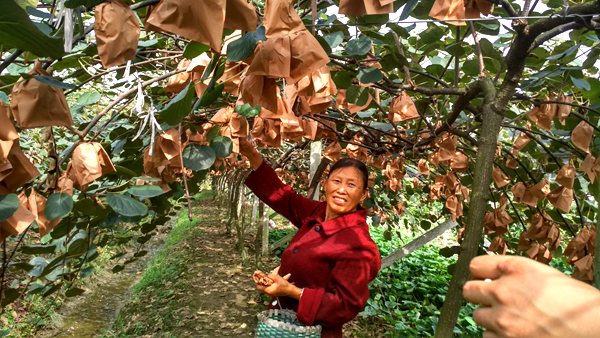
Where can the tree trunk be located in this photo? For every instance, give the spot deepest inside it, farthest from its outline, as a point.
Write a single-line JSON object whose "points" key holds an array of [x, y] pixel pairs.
{"points": [[315, 161], [314, 182], [486, 153], [264, 224]]}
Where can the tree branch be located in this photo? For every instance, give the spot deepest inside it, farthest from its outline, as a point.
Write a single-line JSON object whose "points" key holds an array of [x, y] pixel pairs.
{"points": [[119, 98]]}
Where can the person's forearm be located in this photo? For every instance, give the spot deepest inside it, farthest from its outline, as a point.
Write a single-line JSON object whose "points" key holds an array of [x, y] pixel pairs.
{"points": [[255, 160], [294, 292]]}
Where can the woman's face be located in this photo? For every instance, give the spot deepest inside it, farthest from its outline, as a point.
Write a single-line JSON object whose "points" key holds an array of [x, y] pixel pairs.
{"points": [[344, 190]]}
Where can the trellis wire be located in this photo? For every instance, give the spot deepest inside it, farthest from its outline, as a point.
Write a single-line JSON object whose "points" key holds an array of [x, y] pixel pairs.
{"points": [[495, 18]]}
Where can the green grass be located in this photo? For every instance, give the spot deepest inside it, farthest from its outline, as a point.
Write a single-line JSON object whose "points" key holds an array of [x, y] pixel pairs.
{"points": [[167, 264]]}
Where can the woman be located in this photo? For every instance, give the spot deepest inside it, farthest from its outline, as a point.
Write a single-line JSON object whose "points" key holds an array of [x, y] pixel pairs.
{"points": [[331, 259]]}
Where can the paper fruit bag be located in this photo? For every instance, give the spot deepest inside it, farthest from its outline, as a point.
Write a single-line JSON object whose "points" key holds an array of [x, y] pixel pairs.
{"points": [[21, 171], [117, 33], [90, 162], [35, 104]]}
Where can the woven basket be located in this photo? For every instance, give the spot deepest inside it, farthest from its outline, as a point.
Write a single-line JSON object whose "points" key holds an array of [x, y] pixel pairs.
{"points": [[277, 323]]}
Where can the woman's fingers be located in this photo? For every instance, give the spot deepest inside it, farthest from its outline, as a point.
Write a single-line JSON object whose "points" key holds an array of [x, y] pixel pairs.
{"points": [[287, 277], [479, 292]]}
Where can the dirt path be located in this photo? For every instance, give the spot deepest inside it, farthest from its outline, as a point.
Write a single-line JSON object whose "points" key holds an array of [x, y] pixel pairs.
{"points": [[199, 288]]}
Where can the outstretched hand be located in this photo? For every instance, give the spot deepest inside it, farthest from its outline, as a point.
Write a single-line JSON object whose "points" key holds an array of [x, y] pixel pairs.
{"points": [[522, 298], [248, 150], [276, 285]]}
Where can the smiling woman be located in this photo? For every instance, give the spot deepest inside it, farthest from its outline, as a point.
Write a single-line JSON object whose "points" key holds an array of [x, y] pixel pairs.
{"points": [[328, 265]]}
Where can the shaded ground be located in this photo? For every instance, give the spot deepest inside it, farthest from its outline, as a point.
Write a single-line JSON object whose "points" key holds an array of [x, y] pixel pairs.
{"points": [[196, 287]]}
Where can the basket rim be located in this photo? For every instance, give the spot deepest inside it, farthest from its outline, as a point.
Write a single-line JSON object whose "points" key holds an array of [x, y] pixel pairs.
{"points": [[265, 318]]}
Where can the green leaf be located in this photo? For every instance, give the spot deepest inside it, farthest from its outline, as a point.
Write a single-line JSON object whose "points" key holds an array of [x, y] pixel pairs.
{"points": [[73, 292], [407, 9], [27, 3], [49, 80], [369, 75], [343, 79], [197, 157], [211, 95], [125, 171], [39, 264], [88, 98], [581, 83], [145, 191], [334, 39], [431, 35], [213, 132], [222, 146], [86, 3], [357, 95], [180, 106], [18, 31], [8, 205], [247, 110], [58, 206], [567, 52], [126, 206], [383, 126], [358, 47], [78, 245], [194, 49], [243, 47]]}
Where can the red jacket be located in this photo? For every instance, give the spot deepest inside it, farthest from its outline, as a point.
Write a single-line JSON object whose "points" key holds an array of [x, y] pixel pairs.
{"points": [[334, 261]]}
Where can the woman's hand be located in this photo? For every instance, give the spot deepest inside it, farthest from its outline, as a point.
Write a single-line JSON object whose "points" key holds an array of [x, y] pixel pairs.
{"points": [[248, 150], [279, 286], [522, 298]]}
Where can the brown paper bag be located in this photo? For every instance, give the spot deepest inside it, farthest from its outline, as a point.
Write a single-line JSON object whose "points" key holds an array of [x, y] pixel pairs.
{"points": [[8, 134], [582, 136], [179, 81], [22, 170], [165, 162], [564, 110], [290, 51], [258, 90], [35, 104], [37, 205], [266, 132], [365, 7], [240, 15], [89, 162], [561, 198], [117, 33], [402, 108], [459, 10], [201, 21], [18, 222], [566, 176], [65, 184], [500, 178]]}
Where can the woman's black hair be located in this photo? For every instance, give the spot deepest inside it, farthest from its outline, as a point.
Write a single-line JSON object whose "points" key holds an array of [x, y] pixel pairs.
{"points": [[351, 162]]}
